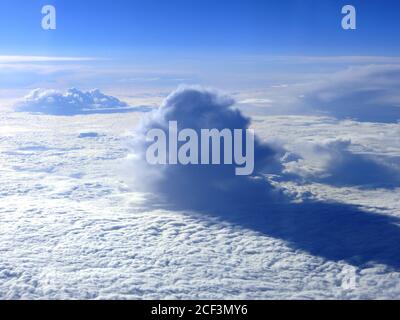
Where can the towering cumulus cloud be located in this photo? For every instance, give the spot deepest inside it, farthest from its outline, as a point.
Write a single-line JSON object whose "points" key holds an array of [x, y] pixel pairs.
{"points": [[201, 186]]}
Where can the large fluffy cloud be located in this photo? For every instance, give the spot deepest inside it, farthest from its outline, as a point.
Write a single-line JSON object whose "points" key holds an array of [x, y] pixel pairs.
{"points": [[71, 102], [201, 186]]}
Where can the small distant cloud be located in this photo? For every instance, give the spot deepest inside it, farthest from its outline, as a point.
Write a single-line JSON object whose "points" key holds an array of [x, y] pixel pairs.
{"points": [[256, 101], [72, 102], [280, 86]]}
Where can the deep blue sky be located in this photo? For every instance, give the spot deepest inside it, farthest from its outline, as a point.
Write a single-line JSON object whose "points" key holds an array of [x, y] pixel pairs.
{"points": [[104, 27]]}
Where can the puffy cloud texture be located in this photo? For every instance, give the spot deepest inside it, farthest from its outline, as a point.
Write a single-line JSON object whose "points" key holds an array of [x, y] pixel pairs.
{"points": [[72, 102]]}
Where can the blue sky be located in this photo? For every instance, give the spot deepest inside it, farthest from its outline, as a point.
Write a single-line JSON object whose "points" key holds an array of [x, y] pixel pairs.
{"points": [[141, 49], [276, 27]]}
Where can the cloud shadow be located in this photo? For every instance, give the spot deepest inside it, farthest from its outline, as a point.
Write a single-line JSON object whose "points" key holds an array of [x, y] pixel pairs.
{"points": [[334, 231]]}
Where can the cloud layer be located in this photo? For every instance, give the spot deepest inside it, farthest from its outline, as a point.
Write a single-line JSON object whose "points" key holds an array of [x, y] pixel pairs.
{"points": [[368, 93], [72, 102], [60, 198]]}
